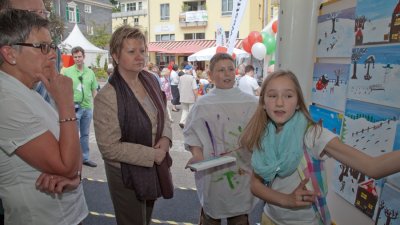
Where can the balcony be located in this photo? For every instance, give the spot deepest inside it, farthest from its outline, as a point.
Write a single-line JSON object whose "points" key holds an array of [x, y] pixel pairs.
{"points": [[193, 19], [142, 12]]}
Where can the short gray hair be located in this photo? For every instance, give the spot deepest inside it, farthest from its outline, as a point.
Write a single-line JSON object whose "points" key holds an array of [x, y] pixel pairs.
{"points": [[16, 26]]}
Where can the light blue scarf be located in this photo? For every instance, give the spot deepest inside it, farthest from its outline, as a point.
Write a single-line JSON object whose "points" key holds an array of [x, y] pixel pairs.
{"points": [[280, 153]]}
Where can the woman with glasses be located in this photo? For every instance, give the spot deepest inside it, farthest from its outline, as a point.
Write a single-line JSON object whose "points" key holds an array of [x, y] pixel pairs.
{"points": [[40, 159]]}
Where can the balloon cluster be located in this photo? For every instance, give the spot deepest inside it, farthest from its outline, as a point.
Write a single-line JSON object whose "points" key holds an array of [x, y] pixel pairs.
{"points": [[261, 43]]}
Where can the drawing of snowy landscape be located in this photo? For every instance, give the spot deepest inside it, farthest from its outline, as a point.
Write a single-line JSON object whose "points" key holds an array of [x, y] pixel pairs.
{"points": [[330, 120], [389, 206], [330, 83], [371, 129], [373, 21], [375, 75], [335, 36]]}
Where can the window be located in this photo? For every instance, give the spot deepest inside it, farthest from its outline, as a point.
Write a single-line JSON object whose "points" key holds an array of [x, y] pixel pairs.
{"points": [[164, 11], [89, 30], [140, 6], [194, 36], [227, 7], [165, 37], [123, 9], [194, 6], [88, 9], [72, 13], [125, 21], [136, 21], [131, 6]]}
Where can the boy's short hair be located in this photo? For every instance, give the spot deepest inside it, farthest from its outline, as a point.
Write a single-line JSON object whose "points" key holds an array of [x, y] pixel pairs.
{"points": [[248, 68], [78, 49], [218, 57]]}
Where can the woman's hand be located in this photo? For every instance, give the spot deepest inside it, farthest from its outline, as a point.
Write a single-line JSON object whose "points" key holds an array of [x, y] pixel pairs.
{"points": [[54, 184], [163, 144], [159, 155], [301, 197]]}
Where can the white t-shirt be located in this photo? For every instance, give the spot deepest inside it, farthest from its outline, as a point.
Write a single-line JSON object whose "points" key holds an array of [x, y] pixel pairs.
{"points": [[24, 115], [214, 124], [174, 78], [284, 216], [248, 84]]}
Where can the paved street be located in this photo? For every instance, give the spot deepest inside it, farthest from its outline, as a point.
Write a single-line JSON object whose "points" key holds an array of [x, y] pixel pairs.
{"points": [[182, 209]]}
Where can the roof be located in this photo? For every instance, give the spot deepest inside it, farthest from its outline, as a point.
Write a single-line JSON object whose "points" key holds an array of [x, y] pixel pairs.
{"points": [[184, 47], [76, 38]]}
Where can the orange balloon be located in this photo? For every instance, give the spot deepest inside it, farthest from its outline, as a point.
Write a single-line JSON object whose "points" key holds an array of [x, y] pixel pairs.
{"points": [[221, 49], [254, 37], [246, 45], [233, 55], [275, 26]]}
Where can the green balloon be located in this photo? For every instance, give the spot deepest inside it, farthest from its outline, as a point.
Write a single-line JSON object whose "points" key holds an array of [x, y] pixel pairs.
{"points": [[271, 62], [269, 42]]}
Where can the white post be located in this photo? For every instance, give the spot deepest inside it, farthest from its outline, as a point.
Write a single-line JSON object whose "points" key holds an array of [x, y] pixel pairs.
{"points": [[296, 40]]}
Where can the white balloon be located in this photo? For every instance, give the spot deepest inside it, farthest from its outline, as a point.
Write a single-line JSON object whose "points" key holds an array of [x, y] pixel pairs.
{"points": [[258, 50]]}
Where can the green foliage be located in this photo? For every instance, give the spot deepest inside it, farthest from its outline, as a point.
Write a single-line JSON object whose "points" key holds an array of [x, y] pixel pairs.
{"points": [[100, 74], [98, 58], [101, 37], [105, 67], [56, 23]]}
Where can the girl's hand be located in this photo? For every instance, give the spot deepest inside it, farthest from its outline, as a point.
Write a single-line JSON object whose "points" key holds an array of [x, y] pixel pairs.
{"points": [[301, 197]]}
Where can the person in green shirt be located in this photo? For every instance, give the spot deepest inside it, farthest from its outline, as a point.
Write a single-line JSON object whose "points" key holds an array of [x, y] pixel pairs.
{"points": [[84, 87]]}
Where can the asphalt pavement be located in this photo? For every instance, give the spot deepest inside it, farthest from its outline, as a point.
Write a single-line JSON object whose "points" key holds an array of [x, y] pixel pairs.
{"points": [[184, 208]]}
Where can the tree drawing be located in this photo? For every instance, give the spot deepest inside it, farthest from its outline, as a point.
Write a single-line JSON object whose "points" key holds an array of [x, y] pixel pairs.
{"points": [[380, 207], [357, 53], [358, 27], [333, 18], [390, 215], [370, 59], [338, 73]]}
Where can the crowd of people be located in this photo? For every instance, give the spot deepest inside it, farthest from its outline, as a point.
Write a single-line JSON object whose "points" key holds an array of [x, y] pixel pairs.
{"points": [[44, 146]]}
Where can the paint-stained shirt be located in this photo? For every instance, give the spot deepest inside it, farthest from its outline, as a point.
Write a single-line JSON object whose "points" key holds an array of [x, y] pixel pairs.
{"points": [[215, 124]]}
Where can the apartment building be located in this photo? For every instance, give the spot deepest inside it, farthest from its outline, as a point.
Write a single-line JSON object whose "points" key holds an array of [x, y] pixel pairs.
{"points": [[178, 28]]}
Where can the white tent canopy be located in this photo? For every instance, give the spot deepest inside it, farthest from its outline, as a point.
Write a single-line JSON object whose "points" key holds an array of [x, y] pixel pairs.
{"points": [[207, 53], [76, 38]]}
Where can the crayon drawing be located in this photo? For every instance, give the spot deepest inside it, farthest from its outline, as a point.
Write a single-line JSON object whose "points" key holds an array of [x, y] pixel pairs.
{"points": [[389, 206], [375, 75], [330, 83], [371, 129], [377, 22], [329, 119], [335, 34]]}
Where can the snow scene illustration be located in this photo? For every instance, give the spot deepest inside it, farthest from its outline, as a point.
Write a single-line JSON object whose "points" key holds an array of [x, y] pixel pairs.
{"points": [[335, 36], [376, 22], [330, 120], [371, 129], [375, 75], [388, 206], [330, 83]]}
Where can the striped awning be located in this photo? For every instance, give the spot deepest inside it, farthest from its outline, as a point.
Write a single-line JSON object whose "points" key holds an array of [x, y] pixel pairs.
{"points": [[183, 47]]}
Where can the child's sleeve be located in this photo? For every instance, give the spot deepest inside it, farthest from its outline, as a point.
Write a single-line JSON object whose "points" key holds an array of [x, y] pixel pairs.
{"points": [[316, 139]]}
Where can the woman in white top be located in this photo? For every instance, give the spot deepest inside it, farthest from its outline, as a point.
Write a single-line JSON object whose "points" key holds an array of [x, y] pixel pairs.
{"points": [[40, 157]]}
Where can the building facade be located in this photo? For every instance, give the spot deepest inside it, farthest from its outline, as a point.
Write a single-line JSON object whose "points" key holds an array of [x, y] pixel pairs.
{"points": [[176, 29], [87, 14]]}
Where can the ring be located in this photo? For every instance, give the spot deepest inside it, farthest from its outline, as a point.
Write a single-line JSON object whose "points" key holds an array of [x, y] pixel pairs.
{"points": [[302, 198]]}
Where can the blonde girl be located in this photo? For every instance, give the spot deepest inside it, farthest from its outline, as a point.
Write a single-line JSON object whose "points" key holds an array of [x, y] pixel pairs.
{"points": [[283, 136]]}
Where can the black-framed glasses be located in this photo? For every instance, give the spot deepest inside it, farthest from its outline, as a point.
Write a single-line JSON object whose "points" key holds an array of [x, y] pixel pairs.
{"points": [[41, 12], [44, 47]]}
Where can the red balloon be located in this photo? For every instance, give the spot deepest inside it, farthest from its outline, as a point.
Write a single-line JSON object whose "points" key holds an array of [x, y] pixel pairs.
{"points": [[254, 37], [275, 26], [221, 49], [233, 55], [246, 45]]}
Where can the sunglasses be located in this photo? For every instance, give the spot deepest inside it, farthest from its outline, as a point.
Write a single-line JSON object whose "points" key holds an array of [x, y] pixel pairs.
{"points": [[44, 47]]}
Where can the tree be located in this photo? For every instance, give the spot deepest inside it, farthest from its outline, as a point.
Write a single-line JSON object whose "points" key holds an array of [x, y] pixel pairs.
{"points": [[355, 56], [56, 26], [116, 5], [101, 37]]}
